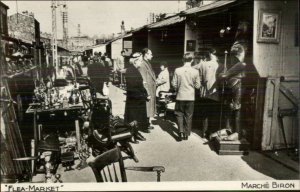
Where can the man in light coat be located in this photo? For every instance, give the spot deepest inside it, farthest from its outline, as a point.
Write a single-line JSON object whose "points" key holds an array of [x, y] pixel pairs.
{"points": [[185, 80], [149, 79]]}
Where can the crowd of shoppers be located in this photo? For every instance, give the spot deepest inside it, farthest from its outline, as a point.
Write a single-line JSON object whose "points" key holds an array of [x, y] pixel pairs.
{"points": [[196, 85]]}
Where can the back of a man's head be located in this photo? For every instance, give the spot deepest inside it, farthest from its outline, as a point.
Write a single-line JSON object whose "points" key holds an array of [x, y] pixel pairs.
{"points": [[187, 57], [145, 51]]}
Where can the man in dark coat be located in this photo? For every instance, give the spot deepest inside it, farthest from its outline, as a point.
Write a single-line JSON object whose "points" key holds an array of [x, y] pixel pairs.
{"points": [[96, 71], [135, 108]]}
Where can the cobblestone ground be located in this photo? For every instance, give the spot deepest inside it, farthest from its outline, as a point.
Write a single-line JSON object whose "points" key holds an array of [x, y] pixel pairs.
{"points": [[191, 160]]}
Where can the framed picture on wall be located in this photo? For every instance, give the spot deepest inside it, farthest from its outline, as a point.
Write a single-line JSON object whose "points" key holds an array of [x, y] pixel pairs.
{"points": [[269, 24], [191, 45]]}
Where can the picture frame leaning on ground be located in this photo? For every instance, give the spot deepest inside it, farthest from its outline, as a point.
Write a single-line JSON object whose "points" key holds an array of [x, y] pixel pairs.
{"points": [[269, 25]]}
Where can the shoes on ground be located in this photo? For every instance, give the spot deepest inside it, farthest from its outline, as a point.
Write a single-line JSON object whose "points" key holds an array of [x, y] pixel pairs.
{"points": [[185, 137], [150, 127], [134, 141], [181, 136], [140, 137], [145, 130]]}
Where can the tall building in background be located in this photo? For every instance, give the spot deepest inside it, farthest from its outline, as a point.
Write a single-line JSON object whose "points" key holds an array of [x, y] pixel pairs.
{"points": [[3, 19], [24, 26], [80, 43]]}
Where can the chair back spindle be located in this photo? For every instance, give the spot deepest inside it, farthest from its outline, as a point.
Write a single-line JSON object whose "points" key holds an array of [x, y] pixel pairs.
{"points": [[107, 159]]}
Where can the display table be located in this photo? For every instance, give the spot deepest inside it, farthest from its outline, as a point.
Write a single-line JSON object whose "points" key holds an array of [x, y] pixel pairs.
{"points": [[62, 110]]}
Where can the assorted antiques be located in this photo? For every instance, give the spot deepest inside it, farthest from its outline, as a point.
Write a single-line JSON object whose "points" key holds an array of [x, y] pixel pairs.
{"points": [[96, 129]]}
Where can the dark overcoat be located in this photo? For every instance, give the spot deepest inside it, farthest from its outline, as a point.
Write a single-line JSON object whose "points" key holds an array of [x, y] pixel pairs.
{"points": [[136, 95]]}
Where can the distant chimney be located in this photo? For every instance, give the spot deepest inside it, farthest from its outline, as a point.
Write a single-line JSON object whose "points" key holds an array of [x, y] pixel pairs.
{"points": [[78, 30], [123, 28]]}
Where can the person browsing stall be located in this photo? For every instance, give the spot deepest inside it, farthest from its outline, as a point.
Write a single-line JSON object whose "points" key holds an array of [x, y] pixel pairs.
{"points": [[208, 95], [149, 83], [135, 108], [185, 81]]}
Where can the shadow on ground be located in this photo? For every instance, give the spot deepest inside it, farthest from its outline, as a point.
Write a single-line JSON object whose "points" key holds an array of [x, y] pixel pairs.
{"points": [[266, 166], [167, 126]]}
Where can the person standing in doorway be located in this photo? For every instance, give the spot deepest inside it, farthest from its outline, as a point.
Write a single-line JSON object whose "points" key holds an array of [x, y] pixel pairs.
{"points": [[185, 80], [149, 83]]}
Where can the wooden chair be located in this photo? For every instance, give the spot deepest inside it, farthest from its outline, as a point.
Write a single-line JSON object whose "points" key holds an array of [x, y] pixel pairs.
{"points": [[166, 103], [105, 167]]}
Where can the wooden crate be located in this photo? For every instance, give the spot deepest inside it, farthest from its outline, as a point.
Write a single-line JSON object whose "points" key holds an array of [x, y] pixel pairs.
{"points": [[240, 147]]}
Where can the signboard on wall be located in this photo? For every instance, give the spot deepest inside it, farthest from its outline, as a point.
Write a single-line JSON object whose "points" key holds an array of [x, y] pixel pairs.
{"points": [[191, 45], [127, 46]]}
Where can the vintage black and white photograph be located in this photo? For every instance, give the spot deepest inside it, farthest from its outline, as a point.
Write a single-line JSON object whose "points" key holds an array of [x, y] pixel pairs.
{"points": [[151, 95]]}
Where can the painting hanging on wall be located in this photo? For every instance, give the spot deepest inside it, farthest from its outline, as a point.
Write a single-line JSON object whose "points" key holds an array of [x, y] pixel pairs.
{"points": [[269, 22], [191, 45]]}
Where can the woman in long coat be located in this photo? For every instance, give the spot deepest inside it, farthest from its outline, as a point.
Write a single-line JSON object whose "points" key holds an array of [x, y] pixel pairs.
{"points": [[135, 108]]}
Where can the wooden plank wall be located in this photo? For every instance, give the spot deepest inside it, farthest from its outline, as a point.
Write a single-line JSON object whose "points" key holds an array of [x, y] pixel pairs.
{"points": [[12, 145], [273, 61]]}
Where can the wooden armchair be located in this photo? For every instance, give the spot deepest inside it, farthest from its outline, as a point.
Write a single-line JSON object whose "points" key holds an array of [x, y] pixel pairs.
{"points": [[106, 166]]}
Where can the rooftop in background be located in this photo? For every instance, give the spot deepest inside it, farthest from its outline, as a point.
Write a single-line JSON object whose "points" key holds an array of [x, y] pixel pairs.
{"points": [[3, 5], [166, 22], [95, 20], [209, 7]]}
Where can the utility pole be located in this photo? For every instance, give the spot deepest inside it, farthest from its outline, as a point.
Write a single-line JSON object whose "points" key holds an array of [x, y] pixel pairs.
{"points": [[64, 15], [54, 36]]}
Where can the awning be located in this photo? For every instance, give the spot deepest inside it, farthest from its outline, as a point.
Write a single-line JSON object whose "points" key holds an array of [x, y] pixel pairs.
{"points": [[139, 29], [120, 37], [59, 48], [167, 22], [128, 35], [215, 6]]}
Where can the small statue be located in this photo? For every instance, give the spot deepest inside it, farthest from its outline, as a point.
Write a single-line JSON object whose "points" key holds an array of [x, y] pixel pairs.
{"points": [[233, 77]]}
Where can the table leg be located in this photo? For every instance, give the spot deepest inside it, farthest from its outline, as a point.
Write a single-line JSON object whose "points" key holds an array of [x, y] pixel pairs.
{"points": [[77, 129]]}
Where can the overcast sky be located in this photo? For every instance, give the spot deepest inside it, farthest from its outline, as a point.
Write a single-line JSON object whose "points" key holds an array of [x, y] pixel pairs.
{"points": [[96, 17]]}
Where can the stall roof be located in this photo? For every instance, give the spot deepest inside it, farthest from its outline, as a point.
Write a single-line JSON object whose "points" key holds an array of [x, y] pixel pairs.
{"points": [[59, 48], [210, 7], [94, 46], [3, 5], [19, 41], [166, 22], [120, 37]]}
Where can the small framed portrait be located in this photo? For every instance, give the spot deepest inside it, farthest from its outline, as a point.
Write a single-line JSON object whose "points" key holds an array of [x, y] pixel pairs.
{"points": [[191, 45], [269, 22]]}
